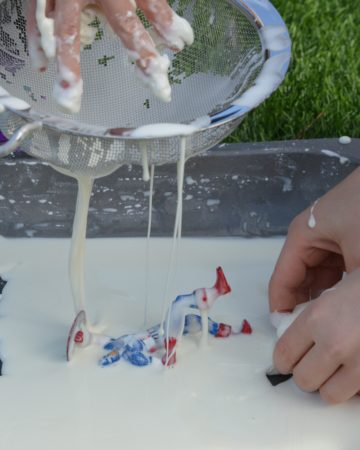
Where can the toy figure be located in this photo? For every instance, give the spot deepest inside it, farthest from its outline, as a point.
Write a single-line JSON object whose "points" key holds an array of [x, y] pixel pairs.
{"points": [[185, 316]]}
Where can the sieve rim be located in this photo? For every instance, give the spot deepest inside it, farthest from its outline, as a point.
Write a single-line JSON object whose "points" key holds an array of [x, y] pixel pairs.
{"points": [[262, 14]]}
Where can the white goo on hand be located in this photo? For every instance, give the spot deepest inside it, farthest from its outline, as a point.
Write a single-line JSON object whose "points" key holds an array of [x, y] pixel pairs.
{"points": [[46, 29], [282, 321], [312, 220], [179, 33], [156, 78], [69, 98]]}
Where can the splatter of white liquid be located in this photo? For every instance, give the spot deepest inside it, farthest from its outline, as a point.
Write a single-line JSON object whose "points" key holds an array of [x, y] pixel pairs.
{"points": [[345, 140]]}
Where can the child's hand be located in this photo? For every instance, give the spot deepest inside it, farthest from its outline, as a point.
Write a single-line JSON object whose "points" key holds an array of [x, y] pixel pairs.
{"points": [[322, 347], [313, 260], [65, 16]]}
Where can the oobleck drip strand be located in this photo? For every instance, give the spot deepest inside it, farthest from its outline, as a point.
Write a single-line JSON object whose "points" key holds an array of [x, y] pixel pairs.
{"points": [[77, 251], [172, 325], [312, 220], [147, 253], [176, 235]]}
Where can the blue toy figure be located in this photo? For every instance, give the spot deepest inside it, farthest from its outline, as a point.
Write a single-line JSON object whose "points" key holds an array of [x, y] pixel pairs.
{"points": [[183, 317]]}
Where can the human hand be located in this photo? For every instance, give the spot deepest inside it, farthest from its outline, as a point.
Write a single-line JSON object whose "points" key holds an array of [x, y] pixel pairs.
{"points": [[313, 260], [54, 30], [322, 346]]}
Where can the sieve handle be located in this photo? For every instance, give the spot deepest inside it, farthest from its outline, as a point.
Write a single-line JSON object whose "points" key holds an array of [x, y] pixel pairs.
{"points": [[16, 139]]}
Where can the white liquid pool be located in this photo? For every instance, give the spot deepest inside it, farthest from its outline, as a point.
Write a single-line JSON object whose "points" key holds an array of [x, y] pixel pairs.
{"points": [[216, 398]]}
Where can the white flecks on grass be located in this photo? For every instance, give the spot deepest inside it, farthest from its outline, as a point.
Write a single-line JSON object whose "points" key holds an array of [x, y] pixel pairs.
{"points": [[212, 18]]}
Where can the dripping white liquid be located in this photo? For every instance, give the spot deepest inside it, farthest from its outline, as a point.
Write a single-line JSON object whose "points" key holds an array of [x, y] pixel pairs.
{"points": [[77, 251], [147, 254], [312, 220], [167, 300], [145, 162]]}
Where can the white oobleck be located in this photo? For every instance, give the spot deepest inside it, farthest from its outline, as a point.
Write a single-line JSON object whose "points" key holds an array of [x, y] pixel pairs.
{"points": [[216, 398]]}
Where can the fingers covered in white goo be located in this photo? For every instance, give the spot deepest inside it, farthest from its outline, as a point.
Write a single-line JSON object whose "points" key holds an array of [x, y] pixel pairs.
{"points": [[57, 28], [152, 67]]}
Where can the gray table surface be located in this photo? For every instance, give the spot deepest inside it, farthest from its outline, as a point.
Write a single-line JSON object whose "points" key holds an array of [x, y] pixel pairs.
{"points": [[232, 190]]}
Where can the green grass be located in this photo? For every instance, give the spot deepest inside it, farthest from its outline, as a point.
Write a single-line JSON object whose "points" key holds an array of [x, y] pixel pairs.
{"points": [[321, 94]]}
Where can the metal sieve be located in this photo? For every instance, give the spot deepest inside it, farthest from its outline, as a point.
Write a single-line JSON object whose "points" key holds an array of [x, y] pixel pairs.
{"points": [[240, 56]]}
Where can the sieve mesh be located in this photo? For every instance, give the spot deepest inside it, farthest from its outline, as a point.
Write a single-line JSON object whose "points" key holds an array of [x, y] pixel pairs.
{"points": [[224, 61], [99, 156], [204, 77]]}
